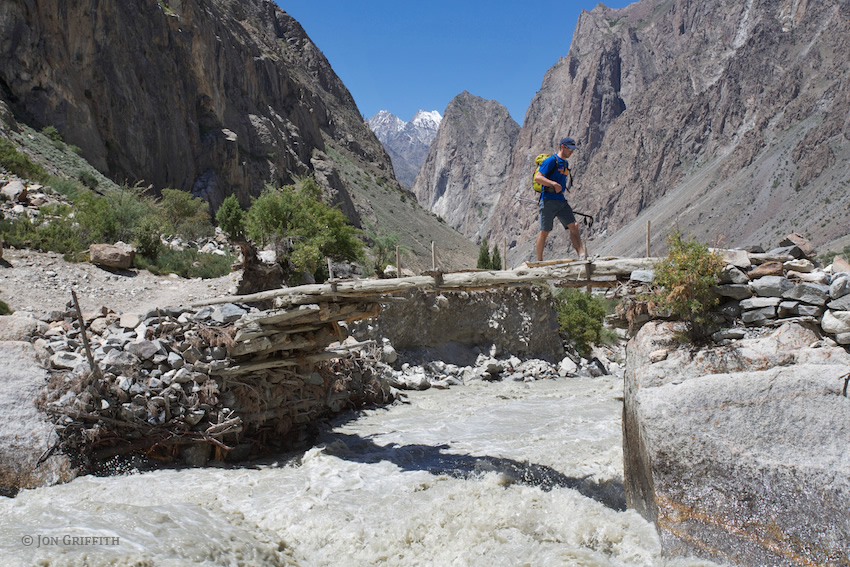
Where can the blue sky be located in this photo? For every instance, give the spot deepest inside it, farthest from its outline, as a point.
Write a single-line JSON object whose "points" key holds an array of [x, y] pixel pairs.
{"points": [[405, 56]]}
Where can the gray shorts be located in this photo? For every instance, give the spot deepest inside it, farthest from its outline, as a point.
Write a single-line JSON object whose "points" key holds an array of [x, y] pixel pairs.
{"points": [[551, 209]]}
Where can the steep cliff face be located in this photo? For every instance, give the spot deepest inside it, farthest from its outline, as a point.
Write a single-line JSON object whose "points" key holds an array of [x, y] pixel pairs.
{"points": [[726, 118], [216, 97], [202, 96], [467, 163]]}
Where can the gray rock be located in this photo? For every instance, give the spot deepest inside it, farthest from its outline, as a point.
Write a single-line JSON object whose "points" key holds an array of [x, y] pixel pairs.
{"points": [[733, 275], [20, 328], [836, 322], [771, 286], [729, 334], [767, 443], [644, 276], [734, 291], [840, 286], [144, 350], [227, 313], [112, 256], [25, 432], [810, 293], [125, 361], [759, 302], [175, 360], [758, 316], [792, 250], [840, 304], [66, 360]]}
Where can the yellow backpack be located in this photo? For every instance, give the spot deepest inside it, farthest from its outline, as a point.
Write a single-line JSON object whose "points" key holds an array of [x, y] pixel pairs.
{"points": [[539, 160]]}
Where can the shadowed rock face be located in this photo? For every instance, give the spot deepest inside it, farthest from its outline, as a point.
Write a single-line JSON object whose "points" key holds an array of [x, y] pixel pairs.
{"points": [[720, 116], [213, 97], [738, 452]]}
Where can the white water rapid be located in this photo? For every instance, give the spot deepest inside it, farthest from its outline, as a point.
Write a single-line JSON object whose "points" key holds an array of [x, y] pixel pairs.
{"points": [[505, 473]]}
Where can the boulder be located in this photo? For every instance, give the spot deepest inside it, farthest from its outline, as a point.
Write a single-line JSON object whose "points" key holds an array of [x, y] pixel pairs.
{"points": [[112, 256], [840, 264], [800, 242], [25, 434], [15, 191], [740, 451], [20, 328]]}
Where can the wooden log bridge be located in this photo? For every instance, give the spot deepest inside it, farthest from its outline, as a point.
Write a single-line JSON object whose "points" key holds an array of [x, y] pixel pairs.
{"points": [[598, 273], [284, 363]]}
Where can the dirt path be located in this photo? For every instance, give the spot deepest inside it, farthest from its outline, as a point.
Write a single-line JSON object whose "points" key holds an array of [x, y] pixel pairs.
{"points": [[42, 282]]}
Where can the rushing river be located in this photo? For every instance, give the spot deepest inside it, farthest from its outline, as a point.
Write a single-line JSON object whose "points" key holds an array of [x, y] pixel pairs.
{"points": [[486, 474]]}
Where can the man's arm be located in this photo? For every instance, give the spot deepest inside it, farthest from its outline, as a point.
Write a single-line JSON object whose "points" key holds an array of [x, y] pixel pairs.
{"points": [[546, 182]]}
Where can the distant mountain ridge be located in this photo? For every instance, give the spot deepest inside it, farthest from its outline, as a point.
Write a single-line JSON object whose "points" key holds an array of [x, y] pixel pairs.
{"points": [[406, 143]]}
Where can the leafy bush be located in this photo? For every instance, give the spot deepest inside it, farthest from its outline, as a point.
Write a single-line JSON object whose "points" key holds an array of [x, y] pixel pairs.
{"points": [[315, 229], [580, 317], [52, 133], [87, 178], [188, 263], [685, 280], [4, 308], [185, 214], [383, 251], [20, 164], [230, 218], [146, 237], [96, 218]]}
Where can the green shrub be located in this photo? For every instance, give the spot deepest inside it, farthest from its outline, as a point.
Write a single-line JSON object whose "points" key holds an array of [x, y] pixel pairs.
{"points": [[186, 214], [87, 178], [580, 317], [4, 308], [685, 280], [146, 237], [20, 164], [315, 229], [96, 218], [52, 133], [383, 251], [189, 263], [64, 186], [230, 218]]}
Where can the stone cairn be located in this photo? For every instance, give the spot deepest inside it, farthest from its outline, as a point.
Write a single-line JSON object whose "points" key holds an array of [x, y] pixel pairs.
{"points": [[184, 381]]}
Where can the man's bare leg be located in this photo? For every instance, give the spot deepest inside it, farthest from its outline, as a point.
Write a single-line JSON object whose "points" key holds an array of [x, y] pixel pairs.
{"points": [[575, 238], [541, 241]]}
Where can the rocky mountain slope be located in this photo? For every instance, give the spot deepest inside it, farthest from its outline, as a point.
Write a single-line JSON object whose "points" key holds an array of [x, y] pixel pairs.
{"points": [[406, 143], [728, 119], [467, 163], [216, 97]]}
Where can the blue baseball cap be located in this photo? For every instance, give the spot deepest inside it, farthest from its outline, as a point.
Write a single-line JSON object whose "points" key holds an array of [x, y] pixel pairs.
{"points": [[569, 142]]}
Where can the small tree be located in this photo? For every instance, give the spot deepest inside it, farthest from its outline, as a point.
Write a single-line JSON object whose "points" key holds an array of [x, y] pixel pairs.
{"points": [[484, 255], [231, 219], [496, 259], [685, 281]]}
